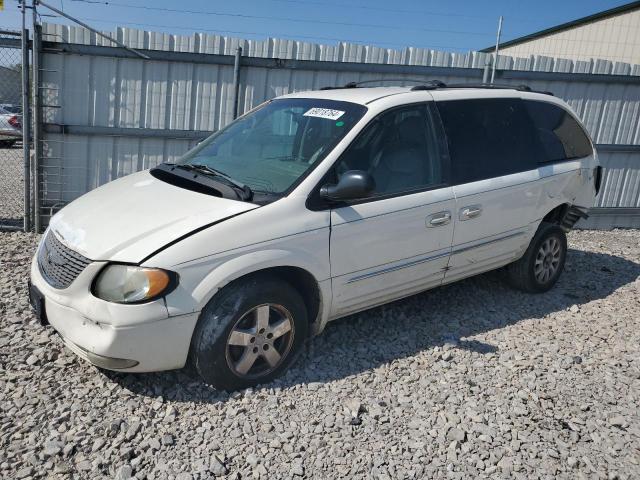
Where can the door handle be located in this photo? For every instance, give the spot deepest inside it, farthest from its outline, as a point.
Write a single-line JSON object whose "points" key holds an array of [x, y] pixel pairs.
{"points": [[470, 211], [438, 219]]}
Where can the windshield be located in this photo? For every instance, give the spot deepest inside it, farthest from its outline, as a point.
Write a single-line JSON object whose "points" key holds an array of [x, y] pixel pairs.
{"points": [[272, 147]]}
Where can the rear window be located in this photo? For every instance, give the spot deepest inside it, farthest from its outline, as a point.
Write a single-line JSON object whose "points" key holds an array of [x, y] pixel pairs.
{"points": [[488, 138], [561, 137]]}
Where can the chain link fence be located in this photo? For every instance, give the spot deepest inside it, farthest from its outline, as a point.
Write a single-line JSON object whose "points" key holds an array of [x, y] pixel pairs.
{"points": [[12, 186]]}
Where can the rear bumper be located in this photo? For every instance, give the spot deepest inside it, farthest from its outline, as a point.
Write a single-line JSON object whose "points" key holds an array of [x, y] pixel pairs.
{"points": [[146, 345], [571, 217], [10, 135]]}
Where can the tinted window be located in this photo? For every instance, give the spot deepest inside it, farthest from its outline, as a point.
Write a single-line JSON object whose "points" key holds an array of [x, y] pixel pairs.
{"points": [[561, 137], [488, 138], [399, 149]]}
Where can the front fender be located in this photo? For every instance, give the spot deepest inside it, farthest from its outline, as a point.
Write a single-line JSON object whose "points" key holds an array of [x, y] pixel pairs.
{"points": [[250, 263], [193, 295]]}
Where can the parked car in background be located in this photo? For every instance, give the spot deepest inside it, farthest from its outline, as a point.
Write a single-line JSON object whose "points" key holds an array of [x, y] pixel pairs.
{"points": [[313, 206], [10, 124], [11, 108]]}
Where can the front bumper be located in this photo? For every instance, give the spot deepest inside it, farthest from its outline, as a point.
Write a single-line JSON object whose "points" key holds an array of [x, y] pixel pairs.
{"points": [[132, 338], [110, 363]]}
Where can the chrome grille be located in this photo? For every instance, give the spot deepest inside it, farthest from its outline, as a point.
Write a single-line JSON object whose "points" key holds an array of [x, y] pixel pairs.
{"points": [[58, 264]]}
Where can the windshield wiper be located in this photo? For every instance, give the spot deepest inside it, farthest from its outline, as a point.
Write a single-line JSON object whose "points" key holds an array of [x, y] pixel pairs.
{"points": [[244, 191], [213, 171]]}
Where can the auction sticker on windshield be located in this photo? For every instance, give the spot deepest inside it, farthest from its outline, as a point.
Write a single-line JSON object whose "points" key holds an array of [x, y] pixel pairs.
{"points": [[327, 113]]}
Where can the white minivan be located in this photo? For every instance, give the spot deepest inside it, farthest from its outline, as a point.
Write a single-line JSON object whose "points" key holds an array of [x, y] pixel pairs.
{"points": [[310, 207]]}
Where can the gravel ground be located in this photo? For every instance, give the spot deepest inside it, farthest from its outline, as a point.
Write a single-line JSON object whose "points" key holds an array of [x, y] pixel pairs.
{"points": [[469, 380]]}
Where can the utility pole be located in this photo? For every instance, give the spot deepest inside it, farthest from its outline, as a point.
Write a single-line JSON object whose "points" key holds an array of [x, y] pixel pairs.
{"points": [[236, 81], [495, 56]]}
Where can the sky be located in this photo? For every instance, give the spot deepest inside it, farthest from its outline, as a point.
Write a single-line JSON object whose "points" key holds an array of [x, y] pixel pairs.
{"points": [[452, 25]]}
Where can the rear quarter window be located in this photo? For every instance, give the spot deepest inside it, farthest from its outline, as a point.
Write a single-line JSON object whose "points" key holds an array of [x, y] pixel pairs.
{"points": [[488, 138], [561, 136]]}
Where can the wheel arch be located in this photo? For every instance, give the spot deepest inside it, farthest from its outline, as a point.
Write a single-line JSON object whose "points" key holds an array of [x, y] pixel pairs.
{"points": [[565, 216], [315, 293], [556, 214], [300, 279]]}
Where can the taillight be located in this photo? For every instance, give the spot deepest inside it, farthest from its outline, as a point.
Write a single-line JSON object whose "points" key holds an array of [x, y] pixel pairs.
{"points": [[597, 178], [15, 122]]}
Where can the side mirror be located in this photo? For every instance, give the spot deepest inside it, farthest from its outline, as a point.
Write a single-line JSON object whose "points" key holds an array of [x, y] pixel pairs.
{"points": [[353, 185]]}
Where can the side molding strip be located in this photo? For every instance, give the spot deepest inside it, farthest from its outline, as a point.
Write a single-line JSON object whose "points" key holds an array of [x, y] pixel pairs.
{"points": [[397, 267], [432, 257], [499, 239]]}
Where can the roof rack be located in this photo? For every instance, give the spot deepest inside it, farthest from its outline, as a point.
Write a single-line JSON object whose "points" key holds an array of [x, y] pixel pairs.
{"points": [[380, 80], [430, 85], [436, 84]]}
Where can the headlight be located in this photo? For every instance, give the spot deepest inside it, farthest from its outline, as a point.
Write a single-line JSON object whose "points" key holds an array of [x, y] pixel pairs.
{"points": [[133, 284]]}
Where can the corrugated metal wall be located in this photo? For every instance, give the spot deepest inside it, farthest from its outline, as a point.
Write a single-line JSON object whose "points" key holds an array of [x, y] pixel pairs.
{"points": [[106, 115]]}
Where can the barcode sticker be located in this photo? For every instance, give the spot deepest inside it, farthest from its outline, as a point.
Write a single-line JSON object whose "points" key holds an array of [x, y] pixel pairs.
{"points": [[324, 113]]}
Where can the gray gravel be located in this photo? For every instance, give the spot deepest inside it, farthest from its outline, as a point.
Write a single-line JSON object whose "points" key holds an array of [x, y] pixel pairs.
{"points": [[469, 380]]}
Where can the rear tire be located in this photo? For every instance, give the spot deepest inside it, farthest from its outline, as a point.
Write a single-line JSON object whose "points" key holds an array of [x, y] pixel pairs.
{"points": [[249, 333], [541, 265]]}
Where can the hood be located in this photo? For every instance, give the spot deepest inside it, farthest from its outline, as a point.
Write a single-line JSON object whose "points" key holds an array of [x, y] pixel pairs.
{"points": [[130, 218]]}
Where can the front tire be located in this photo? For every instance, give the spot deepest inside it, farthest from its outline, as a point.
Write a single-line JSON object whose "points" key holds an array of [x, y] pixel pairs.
{"points": [[249, 333], [541, 265]]}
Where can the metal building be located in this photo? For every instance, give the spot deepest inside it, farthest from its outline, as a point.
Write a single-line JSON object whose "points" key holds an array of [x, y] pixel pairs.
{"points": [[610, 35]]}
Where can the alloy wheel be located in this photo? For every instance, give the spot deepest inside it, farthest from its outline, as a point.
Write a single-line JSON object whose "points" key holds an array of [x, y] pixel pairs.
{"points": [[259, 341], [547, 260]]}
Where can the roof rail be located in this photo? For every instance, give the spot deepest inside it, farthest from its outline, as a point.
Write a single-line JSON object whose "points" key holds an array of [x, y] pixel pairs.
{"points": [[348, 85], [436, 84], [430, 85], [433, 85], [380, 80]]}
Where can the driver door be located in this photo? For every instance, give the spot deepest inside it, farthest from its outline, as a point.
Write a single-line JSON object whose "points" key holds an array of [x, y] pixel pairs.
{"points": [[398, 241]]}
